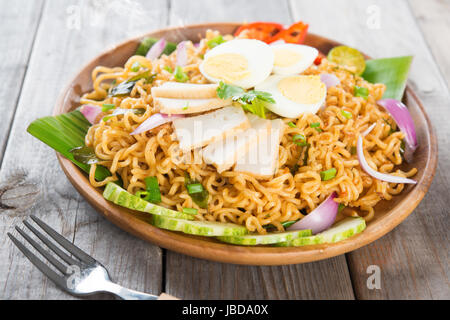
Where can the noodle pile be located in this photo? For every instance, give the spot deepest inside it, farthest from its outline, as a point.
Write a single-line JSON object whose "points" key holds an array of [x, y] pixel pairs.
{"points": [[238, 197]]}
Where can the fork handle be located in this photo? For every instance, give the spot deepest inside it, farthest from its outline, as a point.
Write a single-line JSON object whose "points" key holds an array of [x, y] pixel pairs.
{"points": [[127, 294]]}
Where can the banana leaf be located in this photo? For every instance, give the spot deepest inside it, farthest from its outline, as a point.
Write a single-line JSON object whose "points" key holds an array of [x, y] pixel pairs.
{"points": [[65, 133], [393, 72]]}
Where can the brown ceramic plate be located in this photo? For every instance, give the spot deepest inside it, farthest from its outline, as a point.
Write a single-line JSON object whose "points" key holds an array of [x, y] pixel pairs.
{"points": [[388, 214]]}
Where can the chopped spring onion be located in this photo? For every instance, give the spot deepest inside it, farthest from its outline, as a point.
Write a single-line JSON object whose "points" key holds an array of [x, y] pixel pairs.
{"points": [[316, 125], [168, 69], [200, 198], [192, 211], [346, 114], [194, 188], [180, 75], [214, 42], [375, 174], [328, 174], [353, 150], [299, 140], [361, 92], [152, 187], [107, 106], [135, 67], [341, 207], [292, 125], [152, 192], [321, 218]]}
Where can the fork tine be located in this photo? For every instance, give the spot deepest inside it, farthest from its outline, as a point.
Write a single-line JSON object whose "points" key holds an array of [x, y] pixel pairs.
{"points": [[44, 252], [58, 280], [77, 252], [51, 245]]}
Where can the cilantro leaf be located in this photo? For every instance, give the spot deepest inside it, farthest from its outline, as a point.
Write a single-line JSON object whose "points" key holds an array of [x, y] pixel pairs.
{"points": [[252, 101]]}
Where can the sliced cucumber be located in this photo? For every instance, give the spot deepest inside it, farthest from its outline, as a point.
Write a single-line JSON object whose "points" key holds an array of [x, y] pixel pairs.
{"points": [[340, 231], [125, 199], [273, 237], [199, 228]]}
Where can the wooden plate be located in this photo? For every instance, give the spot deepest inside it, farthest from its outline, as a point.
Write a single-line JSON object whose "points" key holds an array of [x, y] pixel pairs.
{"points": [[388, 214]]}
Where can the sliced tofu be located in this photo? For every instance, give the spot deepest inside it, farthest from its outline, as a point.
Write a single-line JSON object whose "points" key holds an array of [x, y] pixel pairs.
{"points": [[198, 131], [185, 106], [224, 153], [180, 90], [261, 159]]}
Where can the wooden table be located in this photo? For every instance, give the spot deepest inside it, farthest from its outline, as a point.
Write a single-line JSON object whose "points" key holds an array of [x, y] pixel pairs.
{"points": [[43, 45]]}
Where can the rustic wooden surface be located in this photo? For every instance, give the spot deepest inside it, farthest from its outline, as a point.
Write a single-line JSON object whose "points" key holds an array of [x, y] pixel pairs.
{"points": [[48, 41]]}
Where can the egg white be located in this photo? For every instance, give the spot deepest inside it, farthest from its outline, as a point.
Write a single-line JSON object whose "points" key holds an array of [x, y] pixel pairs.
{"points": [[307, 56], [259, 56], [283, 106]]}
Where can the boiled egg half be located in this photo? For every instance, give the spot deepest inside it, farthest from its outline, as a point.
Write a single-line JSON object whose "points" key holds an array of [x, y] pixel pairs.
{"points": [[294, 94], [241, 62], [292, 58]]}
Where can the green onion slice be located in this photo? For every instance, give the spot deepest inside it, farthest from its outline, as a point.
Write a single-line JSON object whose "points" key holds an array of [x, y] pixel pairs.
{"points": [[180, 75], [152, 187], [328, 174], [346, 114], [361, 92]]}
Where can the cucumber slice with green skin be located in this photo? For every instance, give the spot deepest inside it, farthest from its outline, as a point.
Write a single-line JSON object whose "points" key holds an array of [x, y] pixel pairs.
{"points": [[125, 199], [340, 231], [199, 228], [270, 238]]}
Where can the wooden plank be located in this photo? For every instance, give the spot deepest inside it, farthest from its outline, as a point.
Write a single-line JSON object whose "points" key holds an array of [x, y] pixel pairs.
{"points": [[17, 31], [413, 258], [70, 34], [433, 19], [191, 278]]}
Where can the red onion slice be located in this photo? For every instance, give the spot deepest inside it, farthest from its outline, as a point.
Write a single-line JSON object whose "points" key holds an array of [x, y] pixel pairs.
{"points": [[399, 112], [373, 173], [91, 113], [156, 50], [182, 57], [321, 218], [154, 121], [330, 80]]}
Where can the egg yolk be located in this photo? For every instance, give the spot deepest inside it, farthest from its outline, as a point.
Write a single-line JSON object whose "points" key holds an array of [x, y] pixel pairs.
{"points": [[229, 67], [303, 89], [286, 58]]}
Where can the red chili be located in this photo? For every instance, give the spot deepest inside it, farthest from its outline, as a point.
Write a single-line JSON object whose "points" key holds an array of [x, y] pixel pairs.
{"points": [[296, 33], [319, 59], [263, 31]]}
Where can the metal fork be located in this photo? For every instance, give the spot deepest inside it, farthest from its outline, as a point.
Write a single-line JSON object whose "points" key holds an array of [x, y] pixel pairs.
{"points": [[83, 275]]}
